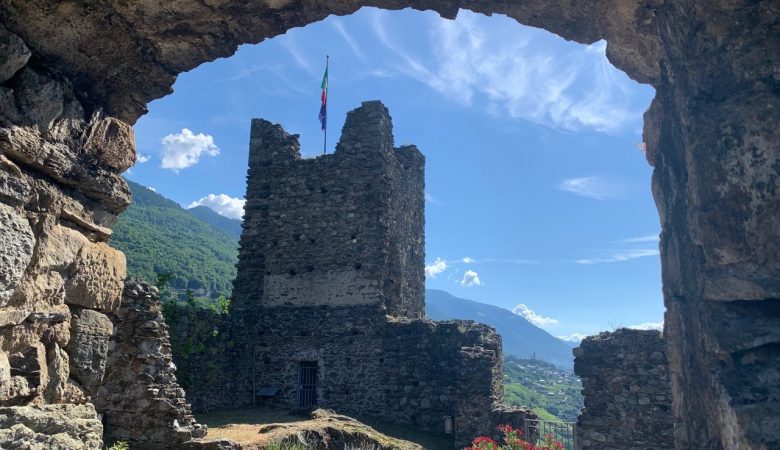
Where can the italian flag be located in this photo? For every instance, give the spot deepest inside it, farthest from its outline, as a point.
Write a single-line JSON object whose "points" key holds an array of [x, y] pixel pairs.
{"points": [[324, 97]]}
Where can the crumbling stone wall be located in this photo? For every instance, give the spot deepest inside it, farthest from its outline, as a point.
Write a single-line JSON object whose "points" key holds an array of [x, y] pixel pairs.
{"points": [[140, 399], [628, 395]]}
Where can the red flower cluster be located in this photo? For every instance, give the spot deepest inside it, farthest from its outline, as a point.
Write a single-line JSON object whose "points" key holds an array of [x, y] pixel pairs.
{"points": [[513, 440]]}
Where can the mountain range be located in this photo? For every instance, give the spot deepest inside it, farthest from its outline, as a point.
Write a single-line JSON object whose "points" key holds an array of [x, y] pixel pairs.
{"points": [[198, 247], [520, 337]]}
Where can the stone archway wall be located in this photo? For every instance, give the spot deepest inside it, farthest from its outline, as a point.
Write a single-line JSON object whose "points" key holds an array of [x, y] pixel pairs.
{"points": [[75, 75]]}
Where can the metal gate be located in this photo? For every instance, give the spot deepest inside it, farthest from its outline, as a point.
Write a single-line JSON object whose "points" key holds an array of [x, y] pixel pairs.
{"points": [[307, 384], [563, 432]]}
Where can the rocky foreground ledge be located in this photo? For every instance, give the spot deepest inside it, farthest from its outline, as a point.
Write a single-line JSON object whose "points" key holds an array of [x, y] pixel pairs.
{"points": [[324, 430]]}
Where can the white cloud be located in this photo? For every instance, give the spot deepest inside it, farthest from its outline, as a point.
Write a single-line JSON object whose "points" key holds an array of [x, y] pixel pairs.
{"points": [[141, 158], [574, 337], [531, 316], [625, 250], [467, 260], [470, 278], [431, 199], [517, 71], [182, 150], [223, 204], [151, 189], [508, 261], [648, 326], [436, 268], [621, 256], [592, 187], [348, 39], [295, 51], [640, 239]]}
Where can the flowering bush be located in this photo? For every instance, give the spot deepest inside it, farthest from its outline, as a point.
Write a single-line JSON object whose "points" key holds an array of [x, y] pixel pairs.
{"points": [[513, 440]]}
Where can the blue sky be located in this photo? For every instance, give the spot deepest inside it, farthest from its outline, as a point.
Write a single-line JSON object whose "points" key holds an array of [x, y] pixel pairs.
{"points": [[538, 197]]}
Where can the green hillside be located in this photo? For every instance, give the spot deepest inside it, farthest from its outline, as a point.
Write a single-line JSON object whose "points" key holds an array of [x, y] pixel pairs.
{"points": [[208, 215], [159, 236], [552, 393]]}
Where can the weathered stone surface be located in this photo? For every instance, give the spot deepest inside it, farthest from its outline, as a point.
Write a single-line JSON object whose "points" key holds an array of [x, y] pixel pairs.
{"points": [[88, 347], [111, 142], [97, 278], [628, 394], [340, 229], [16, 248], [15, 54], [50, 427], [140, 400], [40, 98], [13, 187], [58, 155]]}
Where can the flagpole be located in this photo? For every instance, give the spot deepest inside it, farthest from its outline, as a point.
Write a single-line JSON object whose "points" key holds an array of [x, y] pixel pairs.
{"points": [[327, 94]]}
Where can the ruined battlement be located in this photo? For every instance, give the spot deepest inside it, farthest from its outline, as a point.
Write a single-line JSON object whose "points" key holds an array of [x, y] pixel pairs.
{"points": [[628, 394], [339, 229]]}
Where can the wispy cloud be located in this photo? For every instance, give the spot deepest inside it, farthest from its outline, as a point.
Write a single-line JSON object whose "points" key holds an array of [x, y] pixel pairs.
{"points": [[141, 158], [467, 260], [297, 54], [639, 240], [435, 268], [339, 27], [431, 199], [408, 65], [517, 71], [593, 187], [223, 204], [520, 261], [470, 278], [625, 250], [531, 316], [184, 149], [620, 257]]}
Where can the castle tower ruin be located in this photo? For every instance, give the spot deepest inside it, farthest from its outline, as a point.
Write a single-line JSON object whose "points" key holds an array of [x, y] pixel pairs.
{"points": [[344, 229], [330, 287]]}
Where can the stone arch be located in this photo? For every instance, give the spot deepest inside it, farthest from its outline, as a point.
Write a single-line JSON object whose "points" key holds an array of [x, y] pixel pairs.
{"points": [[76, 75]]}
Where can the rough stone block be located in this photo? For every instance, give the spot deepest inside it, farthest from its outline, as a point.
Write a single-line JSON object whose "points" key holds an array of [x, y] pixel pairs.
{"points": [[16, 249], [97, 278], [111, 142], [40, 98], [50, 427], [13, 54], [13, 186], [88, 347]]}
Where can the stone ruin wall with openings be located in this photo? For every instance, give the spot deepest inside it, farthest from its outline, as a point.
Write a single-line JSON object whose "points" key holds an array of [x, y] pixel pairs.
{"points": [[627, 391], [331, 271]]}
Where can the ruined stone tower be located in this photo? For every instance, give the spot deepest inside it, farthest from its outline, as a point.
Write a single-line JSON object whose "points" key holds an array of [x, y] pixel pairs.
{"points": [[344, 229], [330, 287]]}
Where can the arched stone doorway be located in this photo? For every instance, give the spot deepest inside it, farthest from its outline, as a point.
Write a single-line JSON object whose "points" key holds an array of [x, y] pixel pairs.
{"points": [[76, 76]]}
